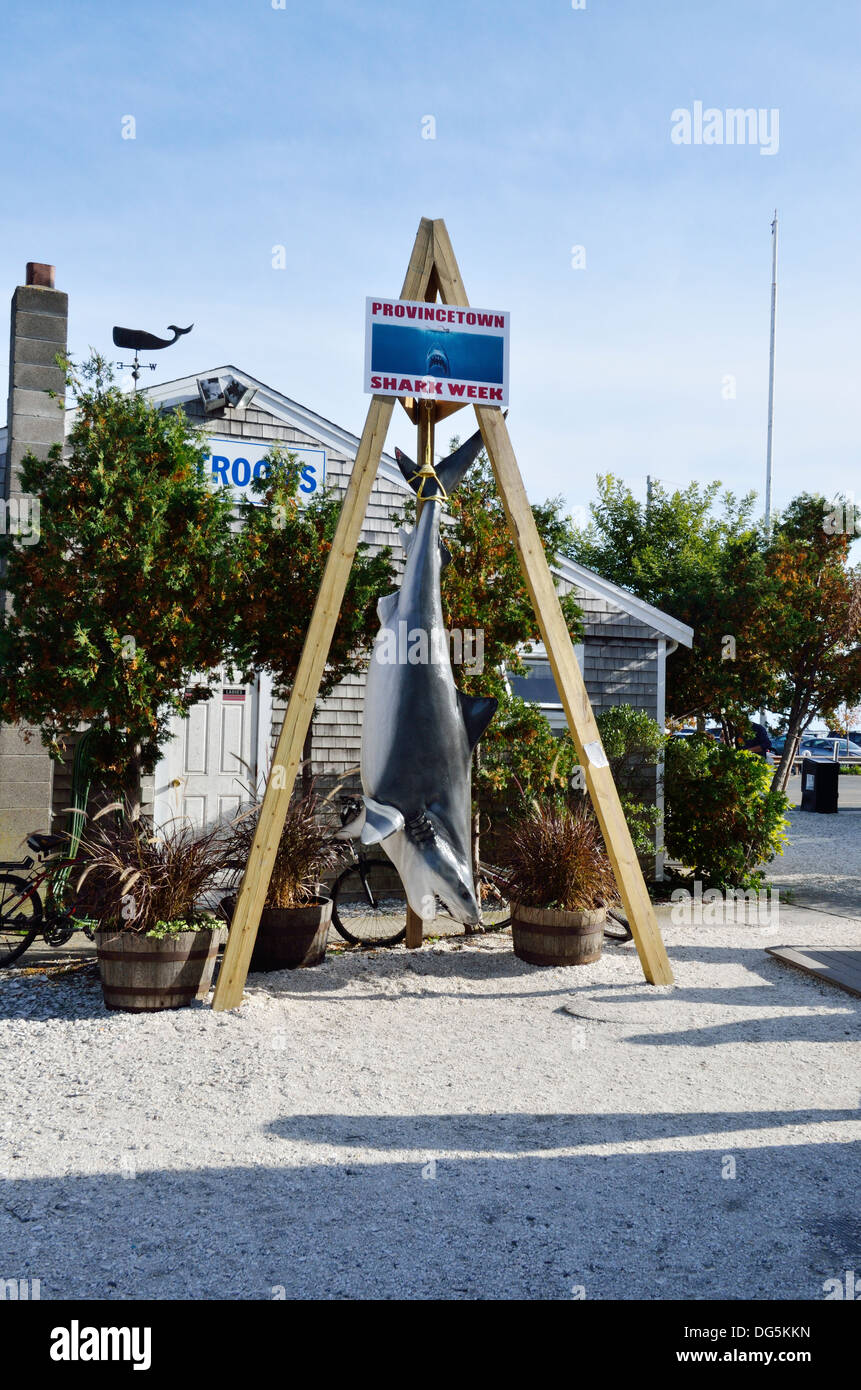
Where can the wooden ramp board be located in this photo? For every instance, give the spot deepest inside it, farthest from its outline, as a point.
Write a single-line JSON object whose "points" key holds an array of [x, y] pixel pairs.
{"points": [[837, 965]]}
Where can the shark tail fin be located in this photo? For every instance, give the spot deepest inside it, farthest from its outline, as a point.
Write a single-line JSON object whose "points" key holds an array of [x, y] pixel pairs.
{"points": [[447, 475]]}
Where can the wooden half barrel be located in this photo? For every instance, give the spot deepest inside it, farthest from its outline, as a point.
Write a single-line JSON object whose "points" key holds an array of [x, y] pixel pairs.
{"points": [[289, 937], [140, 975], [545, 936]]}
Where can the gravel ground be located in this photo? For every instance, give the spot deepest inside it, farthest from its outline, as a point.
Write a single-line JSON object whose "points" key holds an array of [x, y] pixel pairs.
{"points": [[822, 862], [445, 1123]]}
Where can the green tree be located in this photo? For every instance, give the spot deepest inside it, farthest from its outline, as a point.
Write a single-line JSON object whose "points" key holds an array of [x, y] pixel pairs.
{"points": [[279, 553], [706, 568], [813, 630], [126, 594], [723, 818]]}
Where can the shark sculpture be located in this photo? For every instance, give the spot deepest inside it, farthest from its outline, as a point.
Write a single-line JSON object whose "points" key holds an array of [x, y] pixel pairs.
{"points": [[419, 730]]}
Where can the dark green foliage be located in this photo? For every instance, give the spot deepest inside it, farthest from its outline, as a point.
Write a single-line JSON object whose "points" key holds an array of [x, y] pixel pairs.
{"points": [[279, 554], [127, 593], [723, 819], [554, 858]]}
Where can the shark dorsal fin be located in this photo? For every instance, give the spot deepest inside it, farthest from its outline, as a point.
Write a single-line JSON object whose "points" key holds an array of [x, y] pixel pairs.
{"points": [[381, 821], [454, 467], [477, 711]]}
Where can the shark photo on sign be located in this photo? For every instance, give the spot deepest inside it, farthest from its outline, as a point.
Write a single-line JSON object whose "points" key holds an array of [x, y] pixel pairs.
{"points": [[437, 352], [419, 730]]}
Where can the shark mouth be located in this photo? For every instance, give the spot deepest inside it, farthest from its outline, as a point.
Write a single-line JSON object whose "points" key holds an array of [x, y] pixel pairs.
{"points": [[437, 362], [419, 828]]}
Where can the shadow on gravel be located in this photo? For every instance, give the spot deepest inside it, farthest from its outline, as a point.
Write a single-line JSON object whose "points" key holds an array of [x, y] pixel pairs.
{"points": [[811, 1028], [40, 996], [654, 1226], [743, 996], [479, 966], [516, 1133]]}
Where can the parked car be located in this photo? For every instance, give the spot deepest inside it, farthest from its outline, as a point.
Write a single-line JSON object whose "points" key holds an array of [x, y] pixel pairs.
{"points": [[854, 736], [823, 750]]}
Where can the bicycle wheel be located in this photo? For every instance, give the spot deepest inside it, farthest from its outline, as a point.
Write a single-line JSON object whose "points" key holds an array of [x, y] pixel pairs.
{"points": [[20, 918], [369, 905], [495, 907]]}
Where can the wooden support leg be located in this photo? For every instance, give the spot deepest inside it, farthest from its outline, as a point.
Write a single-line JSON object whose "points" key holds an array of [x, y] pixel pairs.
{"points": [[554, 633], [297, 719], [572, 691]]}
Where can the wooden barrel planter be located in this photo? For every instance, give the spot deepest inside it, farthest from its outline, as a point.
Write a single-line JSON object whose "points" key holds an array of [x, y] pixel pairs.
{"points": [[289, 937], [140, 974], [545, 936]]}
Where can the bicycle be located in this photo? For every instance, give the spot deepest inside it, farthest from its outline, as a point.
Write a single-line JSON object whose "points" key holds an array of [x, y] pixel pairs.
{"points": [[23, 916], [369, 905]]}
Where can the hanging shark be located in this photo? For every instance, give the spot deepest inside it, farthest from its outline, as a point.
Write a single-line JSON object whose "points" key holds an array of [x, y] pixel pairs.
{"points": [[419, 730]]}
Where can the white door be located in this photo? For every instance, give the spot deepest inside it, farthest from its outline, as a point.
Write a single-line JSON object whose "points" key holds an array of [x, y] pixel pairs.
{"points": [[210, 765]]}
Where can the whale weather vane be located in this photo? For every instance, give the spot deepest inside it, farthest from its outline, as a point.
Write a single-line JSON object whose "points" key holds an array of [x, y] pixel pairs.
{"points": [[136, 340]]}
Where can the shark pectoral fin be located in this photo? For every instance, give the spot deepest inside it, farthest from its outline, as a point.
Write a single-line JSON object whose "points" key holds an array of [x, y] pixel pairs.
{"points": [[477, 711], [380, 821], [386, 607]]}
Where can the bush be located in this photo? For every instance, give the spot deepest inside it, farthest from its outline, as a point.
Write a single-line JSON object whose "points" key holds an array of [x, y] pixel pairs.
{"points": [[722, 820], [522, 760], [140, 879], [634, 746], [555, 859], [307, 850]]}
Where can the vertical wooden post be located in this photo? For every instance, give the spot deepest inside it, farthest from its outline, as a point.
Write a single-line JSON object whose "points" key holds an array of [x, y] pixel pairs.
{"points": [[415, 930], [288, 754]]}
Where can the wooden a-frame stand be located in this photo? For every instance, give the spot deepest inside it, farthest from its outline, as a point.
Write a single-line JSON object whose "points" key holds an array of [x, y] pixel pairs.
{"points": [[433, 271]]}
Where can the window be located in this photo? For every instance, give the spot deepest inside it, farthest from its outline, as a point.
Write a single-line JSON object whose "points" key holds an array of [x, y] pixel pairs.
{"points": [[538, 686]]}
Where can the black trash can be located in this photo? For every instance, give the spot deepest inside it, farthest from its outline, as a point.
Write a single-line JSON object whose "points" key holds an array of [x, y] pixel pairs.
{"points": [[819, 784]]}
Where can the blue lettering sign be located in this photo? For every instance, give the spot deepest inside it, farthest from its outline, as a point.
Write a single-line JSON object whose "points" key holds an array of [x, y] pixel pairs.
{"points": [[309, 478]]}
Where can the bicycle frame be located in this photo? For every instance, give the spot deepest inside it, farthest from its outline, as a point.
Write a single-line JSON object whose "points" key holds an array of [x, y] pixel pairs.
{"points": [[54, 915]]}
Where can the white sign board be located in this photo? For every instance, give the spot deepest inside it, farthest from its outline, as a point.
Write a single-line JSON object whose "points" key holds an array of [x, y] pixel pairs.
{"points": [[436, 352], [234, 463]]}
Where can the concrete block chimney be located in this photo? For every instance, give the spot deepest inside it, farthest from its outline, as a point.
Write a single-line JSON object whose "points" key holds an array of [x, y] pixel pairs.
{"points": [[35, 421]]}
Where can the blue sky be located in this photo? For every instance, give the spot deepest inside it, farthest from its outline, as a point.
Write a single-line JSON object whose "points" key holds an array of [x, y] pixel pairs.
{"points": [[302, 126]]}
